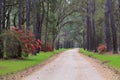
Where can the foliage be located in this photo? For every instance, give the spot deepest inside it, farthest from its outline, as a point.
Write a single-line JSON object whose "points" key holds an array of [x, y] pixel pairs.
{"points": [[102, 48], [27, 40], [17, 41], [49, 48], [11, 44], [12, 66]]}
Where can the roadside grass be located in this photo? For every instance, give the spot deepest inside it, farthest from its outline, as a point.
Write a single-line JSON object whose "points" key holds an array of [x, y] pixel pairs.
{"points": [[13, 66], [112, 60]]}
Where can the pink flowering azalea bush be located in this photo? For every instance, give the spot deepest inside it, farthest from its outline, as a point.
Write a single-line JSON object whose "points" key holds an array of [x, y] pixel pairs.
{"points": [[48, 48], [28, 42], [16, 42], [102, 48]]}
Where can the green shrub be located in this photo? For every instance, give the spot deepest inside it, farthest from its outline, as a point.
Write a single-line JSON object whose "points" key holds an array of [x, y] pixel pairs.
{"points": [[11, 45], [17, 41]]}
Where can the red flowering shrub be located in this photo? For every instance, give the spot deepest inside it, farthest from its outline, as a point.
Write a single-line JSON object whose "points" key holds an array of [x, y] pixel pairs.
{"points": [[102, 48], [28, 42], [46, 48], [18, 41], [24, 39], [49, 48]]}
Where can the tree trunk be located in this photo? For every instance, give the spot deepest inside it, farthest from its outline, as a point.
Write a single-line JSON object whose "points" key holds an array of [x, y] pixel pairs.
{"points": [[39, 21], [28, 4], [14, 20], [119, 22], [93, 26], [46, 31], [0, 16], [88, 26], [20, 14], [35, 17], [57, 44], [114, 30], [1, 52], [3, 13], [8, 18], [53, 37], [42, 17], [20, 18], [2, 24], [107, 29]]}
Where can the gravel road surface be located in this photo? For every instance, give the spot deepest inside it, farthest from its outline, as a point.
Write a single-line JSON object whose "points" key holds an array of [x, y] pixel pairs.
{"points": [[70, 65]]}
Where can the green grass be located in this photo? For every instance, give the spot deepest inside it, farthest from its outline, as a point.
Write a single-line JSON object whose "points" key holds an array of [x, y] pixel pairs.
{"points": [[13, 66], [112, 60]]}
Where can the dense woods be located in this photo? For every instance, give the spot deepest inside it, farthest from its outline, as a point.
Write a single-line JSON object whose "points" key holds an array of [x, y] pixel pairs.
{"points": [[59, 24]]}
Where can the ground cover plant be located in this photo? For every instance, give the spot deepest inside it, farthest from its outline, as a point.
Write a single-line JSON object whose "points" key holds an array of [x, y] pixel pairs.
{"points": [[12, 66], [112, 60]]}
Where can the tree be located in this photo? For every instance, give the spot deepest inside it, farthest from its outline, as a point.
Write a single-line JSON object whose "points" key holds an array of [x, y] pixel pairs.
{"points": [[3, 14], [20, 17], [2, 23], [1, 53], [107, 28], [89, 26], [94, 26], [40, 17], [113, 27], [119, 21], [47, 24], [34, 2], [28, 4]]}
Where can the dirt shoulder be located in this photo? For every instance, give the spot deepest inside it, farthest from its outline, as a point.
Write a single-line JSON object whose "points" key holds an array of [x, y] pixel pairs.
{"points": [[106, 71], [20, 75]]}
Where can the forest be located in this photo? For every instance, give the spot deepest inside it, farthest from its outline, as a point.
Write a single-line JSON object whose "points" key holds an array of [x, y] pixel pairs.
{"points": [[31, 31], [28, 26]]}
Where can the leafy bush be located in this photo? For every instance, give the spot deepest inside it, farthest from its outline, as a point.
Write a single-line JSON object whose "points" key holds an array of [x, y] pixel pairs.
{"points": [[11, 44], [46, 48], [28, 42], [18, 41], [49, 48], [102, 48]]}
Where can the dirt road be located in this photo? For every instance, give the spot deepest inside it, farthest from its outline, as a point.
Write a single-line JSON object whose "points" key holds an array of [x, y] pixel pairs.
{"points": [[68, 66]]}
